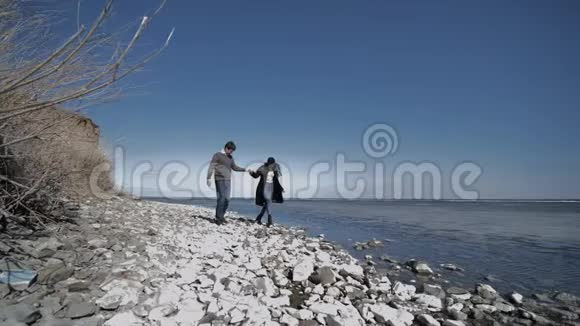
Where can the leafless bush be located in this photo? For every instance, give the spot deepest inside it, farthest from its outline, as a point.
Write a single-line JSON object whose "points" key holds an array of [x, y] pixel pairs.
{"points": [[42, 91]]}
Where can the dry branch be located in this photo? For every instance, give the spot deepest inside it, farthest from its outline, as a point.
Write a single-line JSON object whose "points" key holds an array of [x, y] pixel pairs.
{"points": [[40, 160]]}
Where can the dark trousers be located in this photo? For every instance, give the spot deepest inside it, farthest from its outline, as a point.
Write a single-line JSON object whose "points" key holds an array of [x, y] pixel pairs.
{"points": [[223, 189], [267, 208]]}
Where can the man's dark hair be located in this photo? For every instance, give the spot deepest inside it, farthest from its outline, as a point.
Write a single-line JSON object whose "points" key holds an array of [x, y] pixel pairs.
{"points": [[230, 145]]}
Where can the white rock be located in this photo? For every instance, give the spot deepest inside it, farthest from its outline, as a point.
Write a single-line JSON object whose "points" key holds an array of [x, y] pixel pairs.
{"points": [[205, 281], [427, 320], [97, 243], [430, 301], [462, 297], [323, 257], [110, 301], [127, 289], [169, 294], [289, 320], [403, 291], [486, 291], [321, 319], [486, 308], [236, 316], [450, 322], [348, 315], [318, 289], [266, 285], [258, 315], [276, 313], [324, 308], [365, 312], [190, 312], [234, 287], [517, 298], [160, 312], [213, 307], [302, 271], [455, 307], [254, 264], [126, 318], [396, 317], [352, 270], [333, 292], [328, 299], [312, 299], [302, 314], [280, 279], [423, 269], [280, 301]]}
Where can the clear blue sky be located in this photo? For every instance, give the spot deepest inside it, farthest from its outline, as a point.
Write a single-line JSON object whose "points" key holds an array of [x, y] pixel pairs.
{"points": [[494, 82]]}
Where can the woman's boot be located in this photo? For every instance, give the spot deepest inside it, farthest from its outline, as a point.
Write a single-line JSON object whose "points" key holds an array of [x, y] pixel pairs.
{"points": [[269, 220], [259, 219]]}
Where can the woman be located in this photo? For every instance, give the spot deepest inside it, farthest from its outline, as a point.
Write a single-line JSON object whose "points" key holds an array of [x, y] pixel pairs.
{"points": [[269, 188]]}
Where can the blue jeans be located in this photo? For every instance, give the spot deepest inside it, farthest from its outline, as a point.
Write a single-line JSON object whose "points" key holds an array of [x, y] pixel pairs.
{"points": [[222, 188]]}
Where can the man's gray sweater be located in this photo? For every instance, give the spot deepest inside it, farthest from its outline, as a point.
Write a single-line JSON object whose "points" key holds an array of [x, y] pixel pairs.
{"points": [[223, 165]]}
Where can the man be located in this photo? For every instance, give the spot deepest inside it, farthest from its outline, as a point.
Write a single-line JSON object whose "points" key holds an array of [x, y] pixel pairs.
{"points": [[222, 164]]}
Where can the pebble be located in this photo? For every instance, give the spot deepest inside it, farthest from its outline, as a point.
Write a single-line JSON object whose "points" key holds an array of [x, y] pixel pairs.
{"points": [[146, 263]]}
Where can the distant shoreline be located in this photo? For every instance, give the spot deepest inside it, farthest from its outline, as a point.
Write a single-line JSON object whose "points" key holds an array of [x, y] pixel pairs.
{"points": [[389, 200]]}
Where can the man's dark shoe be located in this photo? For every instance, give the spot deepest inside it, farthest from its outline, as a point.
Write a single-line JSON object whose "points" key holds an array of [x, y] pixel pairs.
{"points": [[269, 221]]}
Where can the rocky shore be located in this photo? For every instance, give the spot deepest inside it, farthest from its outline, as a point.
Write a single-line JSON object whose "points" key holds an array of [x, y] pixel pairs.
{"points": [[127, 262]]}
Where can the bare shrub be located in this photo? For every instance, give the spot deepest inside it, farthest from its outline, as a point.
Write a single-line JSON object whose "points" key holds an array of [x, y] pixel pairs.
{"points": [[48, 149]]}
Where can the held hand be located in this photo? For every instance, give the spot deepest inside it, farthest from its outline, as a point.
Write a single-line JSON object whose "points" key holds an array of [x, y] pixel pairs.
{"points": [[250, 171], [209, 183]]}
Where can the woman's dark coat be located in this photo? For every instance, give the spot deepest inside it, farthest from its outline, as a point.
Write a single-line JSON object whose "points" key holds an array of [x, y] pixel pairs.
{"points": [[262, 173]]}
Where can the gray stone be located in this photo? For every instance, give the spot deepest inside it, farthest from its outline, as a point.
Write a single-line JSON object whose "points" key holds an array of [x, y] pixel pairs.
{"points": [[504, 306], [456, 290], [486, 291], [90, 321], [562, 314], [452, 267], [4, 290], [98, 243], [79, 286], [434, 290], [54, 273], [80, 310], [566, 298], [141, 311], [56, 322], [327, 275], [458, 314], [22, 313], [110, 301], [389, 259], [476, 299]]}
